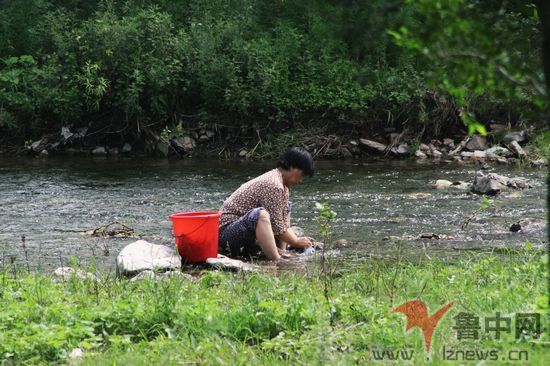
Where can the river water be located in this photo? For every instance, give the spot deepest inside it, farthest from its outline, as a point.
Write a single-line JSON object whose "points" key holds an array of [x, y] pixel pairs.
{"points": [[50, 200]]}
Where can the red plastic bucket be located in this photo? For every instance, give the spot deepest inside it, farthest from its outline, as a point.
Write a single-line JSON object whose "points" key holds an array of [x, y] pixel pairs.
{"points": [[196, 235]]}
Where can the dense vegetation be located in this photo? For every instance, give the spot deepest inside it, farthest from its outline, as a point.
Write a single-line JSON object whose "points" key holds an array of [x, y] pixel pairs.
{"points": [[224, 318], [118, 67]]}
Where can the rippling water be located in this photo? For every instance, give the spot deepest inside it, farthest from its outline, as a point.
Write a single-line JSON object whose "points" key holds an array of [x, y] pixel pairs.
{"points": [[50, 200]]}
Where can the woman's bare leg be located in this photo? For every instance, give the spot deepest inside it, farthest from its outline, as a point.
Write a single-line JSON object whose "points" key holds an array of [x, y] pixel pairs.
{"points": [[265, 237], [281, 244]]}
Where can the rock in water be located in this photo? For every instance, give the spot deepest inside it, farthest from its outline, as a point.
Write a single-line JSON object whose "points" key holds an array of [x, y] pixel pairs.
{"points": [[340, 243], [185, 143], [529, 226], [518, 149], [538, 163], [479, 154], [401, 150], [442, 184], [39, 145], [449, 142], [142, 255], [476, 143], [420, 155], [344, 153], [223, 262], [66, 133], [423, 147], [373, 145], [460, 146], [189, 143], [493, 183], [163, 148], [462, 185], [99, 151], [519, 137], [436, 153], [495, 127], [127, 148], [499, 150], [519, 183]]}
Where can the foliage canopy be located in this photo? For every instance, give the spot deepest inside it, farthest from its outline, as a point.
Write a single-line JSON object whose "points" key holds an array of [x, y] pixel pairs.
{"points": [[117, 65]]}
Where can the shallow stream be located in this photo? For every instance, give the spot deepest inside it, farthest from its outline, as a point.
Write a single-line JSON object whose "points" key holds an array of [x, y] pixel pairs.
{"points": [[50, 200]]}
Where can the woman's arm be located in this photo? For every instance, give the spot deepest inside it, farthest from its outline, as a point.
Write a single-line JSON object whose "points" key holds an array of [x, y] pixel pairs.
{"points": [[296, 242]]}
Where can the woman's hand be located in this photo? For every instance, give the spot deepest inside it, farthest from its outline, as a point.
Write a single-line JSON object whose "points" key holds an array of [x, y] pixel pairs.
{"points": [[302, 242]]}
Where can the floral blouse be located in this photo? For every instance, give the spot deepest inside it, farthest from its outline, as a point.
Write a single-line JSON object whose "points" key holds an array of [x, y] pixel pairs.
{"points": [[267, 191]]}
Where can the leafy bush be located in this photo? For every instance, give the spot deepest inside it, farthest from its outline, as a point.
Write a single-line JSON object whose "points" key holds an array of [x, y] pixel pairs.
{"points": [[66, 63]]}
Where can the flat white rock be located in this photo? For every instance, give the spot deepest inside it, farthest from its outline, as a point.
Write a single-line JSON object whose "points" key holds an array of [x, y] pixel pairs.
{"points": [[142, 255]]}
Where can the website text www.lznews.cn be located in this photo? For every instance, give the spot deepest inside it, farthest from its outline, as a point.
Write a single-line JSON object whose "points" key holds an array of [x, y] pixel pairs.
{"points": [[454, 354]]}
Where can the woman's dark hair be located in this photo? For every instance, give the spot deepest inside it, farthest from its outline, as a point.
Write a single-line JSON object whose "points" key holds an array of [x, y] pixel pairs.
{"points": [[297, 158]]}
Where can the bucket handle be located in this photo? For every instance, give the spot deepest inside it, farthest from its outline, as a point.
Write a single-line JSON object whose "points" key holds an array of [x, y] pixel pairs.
{"points": [[200, 226]]}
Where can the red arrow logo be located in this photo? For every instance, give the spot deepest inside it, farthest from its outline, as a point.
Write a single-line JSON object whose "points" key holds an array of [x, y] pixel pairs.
{"points": [[417, 316]]}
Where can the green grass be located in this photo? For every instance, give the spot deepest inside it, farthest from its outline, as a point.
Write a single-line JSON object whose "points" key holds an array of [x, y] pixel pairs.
{"points": [[541, 145], [238, 318]]}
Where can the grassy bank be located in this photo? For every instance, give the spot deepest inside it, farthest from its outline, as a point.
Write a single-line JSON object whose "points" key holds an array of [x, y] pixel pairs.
{"points": [[238, 318]]}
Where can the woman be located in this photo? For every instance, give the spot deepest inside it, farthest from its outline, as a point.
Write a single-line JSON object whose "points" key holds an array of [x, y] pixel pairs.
{"points": [[257, 215]]}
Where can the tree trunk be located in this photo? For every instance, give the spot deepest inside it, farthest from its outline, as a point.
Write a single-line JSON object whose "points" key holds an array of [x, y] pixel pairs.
{"points": [[543, 7]]}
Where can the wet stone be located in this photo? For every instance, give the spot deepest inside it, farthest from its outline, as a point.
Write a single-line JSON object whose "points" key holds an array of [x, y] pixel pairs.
{"points": [[518, 149], [99, 151], [442, 184], [163, 148], [477, 142], [420, 155], [436, 153], [479, 154], [373, 145], [423, 147], [493, 183], [226, 263], [449, 142], [39, 145], [402, 150], [498, 150], [340, 243], [126, 148], [495, 127], [519, 137], [528, 226]]}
